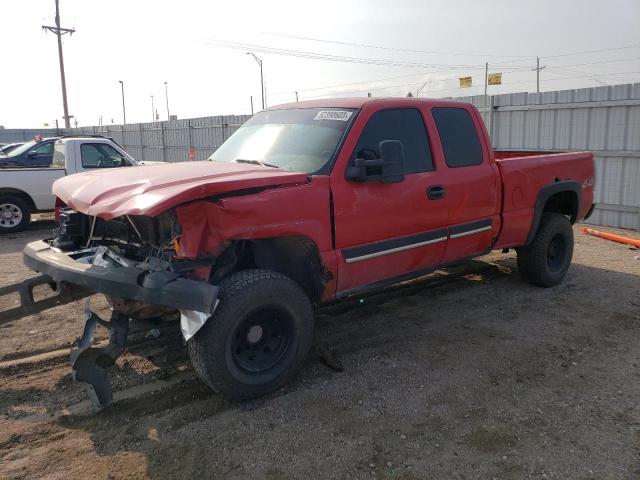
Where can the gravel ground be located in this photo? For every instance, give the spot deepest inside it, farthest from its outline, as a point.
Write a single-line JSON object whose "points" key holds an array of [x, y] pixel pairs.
{"points": [[469, 374]]}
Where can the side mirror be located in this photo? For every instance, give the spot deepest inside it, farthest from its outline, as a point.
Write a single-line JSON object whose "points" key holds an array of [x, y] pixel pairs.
{"points": [[32, 153], [392, 152], [388, 168]]}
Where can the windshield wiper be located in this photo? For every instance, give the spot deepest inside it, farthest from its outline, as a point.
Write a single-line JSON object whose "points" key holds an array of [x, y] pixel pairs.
{"points": [[255, 162]]}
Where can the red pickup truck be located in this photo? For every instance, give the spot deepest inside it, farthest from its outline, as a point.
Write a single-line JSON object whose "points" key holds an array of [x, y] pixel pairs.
{"points": [[307, 202]]}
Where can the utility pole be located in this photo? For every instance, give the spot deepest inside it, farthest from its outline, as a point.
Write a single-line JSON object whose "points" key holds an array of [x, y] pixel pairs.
{"points": [[296, 96], [153, 110], [59, 31], [166, 96], [537, 69], [486, 83], [251, 99], [486, 77], [124, 113], [259, 61]]}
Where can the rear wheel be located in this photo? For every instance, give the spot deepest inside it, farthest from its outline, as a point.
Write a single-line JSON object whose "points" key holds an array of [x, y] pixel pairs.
{"points": [[15, 214], [258, 337], [546, 260]]}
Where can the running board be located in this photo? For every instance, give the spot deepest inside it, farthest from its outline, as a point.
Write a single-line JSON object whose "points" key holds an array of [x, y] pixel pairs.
{"points": [[61, 294]]}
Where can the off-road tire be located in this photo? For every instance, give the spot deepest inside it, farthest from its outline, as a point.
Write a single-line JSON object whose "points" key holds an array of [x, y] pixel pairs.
{"points": [[546, 260], [244, 296], [24, 212]]}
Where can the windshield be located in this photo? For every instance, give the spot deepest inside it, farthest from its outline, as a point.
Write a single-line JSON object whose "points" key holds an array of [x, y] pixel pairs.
{"points": [[22, 149], [298, 140]]}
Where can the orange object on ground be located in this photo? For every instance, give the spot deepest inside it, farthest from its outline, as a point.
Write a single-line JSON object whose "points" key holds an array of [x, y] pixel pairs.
{"points": [[611, 236]]}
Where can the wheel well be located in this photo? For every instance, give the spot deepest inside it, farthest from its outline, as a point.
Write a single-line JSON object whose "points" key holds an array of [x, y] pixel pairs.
{"points": [[19, 193], [565, 203], [296, 257]]}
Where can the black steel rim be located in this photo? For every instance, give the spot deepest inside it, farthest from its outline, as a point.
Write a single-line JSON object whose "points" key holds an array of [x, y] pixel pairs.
{"points": [[262, 339], [557, 253]]}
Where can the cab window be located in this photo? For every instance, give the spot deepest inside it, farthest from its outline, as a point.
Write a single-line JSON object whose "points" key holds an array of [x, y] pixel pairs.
{"points": [[58, 154], [100, 155], [459, 137], [402, 124]]}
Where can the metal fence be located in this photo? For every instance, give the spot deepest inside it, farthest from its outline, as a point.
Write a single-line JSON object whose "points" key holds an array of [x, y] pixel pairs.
{"points": [[605, 120], [170, 141], [13, 135]]}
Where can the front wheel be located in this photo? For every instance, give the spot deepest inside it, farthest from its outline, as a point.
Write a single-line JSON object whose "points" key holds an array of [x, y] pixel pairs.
{"points": [[546, 260], [15, 214], [258, 337]]}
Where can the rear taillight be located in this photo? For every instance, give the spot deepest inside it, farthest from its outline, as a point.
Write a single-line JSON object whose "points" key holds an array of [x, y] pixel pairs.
{"points": [[56, 210]]}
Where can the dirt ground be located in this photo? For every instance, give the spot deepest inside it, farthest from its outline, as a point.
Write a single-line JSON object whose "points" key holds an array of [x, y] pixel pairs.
{"points": [[469, 374]]}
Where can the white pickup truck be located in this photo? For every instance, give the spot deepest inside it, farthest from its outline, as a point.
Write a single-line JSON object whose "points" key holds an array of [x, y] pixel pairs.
{"points": [[27, 190]]}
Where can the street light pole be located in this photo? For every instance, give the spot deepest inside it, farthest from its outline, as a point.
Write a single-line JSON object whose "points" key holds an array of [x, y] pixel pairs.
{"points": [[124, 113], [153, 110], [261, 75], [166, 96]]}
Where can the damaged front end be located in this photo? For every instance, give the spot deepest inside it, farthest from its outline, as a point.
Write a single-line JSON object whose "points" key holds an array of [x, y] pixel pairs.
{"points": [[135, 262]]}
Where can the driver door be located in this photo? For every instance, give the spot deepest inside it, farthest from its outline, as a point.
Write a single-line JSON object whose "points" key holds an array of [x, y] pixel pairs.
{"points": [[386, 230]]}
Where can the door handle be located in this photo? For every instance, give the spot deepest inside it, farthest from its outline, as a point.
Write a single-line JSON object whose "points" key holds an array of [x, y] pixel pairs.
{"points": [[436, 192]]}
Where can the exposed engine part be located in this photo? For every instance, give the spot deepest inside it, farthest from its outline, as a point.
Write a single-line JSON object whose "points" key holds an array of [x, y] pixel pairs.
{"points": [[139, 238], [72, 230]]}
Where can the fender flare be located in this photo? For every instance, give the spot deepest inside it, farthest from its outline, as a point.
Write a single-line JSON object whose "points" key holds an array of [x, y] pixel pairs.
{"points": [[545, 194]]}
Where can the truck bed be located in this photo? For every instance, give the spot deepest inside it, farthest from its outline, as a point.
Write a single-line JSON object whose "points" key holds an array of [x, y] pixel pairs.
{"points": [[526, 173]]}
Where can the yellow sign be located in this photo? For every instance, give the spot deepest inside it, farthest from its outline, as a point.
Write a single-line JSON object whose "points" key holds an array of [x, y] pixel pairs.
{"points": [[465, 82], [495, 79]]}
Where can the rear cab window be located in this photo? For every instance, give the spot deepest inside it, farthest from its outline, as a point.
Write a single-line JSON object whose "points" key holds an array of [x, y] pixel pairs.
{"points": [[59, 153], [459, 136], [403, 124]]}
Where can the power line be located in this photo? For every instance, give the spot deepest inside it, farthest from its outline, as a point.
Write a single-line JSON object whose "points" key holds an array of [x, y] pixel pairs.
{"points": [[594, 63], [333, 58], [519, 69], [431, 52], [593, 51], [365, 82], [457, 88], [584, 52], [394, 49]]}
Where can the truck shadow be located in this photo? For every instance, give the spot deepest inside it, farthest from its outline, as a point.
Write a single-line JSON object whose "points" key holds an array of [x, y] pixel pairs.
{"points": [[424, 312], [36, 230]]}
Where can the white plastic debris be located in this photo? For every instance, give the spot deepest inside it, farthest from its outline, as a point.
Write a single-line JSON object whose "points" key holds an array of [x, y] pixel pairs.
{"points": [[192, 321]]}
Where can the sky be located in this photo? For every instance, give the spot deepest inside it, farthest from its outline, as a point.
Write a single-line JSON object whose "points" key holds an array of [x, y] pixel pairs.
{"points": [[319, 49]]}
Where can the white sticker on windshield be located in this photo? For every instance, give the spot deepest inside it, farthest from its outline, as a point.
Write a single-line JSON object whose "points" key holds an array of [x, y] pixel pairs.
{"points": [[341, 115]]}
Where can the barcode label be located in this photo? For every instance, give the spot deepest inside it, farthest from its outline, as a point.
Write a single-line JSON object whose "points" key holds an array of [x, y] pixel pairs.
{"points": [[340, 115]]}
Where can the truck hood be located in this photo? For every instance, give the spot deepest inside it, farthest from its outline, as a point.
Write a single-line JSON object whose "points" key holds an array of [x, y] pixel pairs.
{"points": [[152, 189]]}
